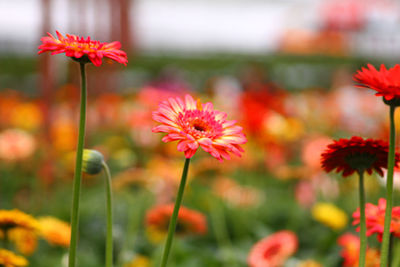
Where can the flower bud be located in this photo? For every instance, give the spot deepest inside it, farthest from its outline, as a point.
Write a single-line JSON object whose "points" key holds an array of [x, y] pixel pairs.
{"points": [[92, 161]]}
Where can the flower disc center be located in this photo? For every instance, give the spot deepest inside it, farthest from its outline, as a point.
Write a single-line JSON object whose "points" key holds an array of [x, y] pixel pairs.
{"points": [[361, 161]]}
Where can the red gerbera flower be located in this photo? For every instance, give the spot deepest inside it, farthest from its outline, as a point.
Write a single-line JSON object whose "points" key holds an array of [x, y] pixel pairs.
{"points": [[195, 124], [351, 250], [375, 218], [385, 81], [79, 48], [189, 221], [354, 154], [273, 250]]}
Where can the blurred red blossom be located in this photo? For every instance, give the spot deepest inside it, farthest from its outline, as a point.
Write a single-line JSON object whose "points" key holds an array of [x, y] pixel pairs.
{"points": [[375, 218], [273, 250]]}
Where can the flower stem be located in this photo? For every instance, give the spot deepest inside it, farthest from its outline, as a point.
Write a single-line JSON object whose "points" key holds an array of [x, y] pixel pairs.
{"points": [[174, 218], [396, 253], [363, 229], [109, 236], [78, 172], [389, 192]]}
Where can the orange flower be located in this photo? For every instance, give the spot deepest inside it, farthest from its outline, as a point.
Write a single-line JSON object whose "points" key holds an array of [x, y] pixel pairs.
{"points": [[14, 218], [9, 259], [375, 218], [195, 124], [385, 81], [25, 240], [82, 50], [351, 250], [273, 250], [55, 231], [189, 221]]}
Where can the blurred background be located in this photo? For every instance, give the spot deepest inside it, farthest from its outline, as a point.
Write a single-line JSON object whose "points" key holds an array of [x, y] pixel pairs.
{"points": [[283, 69]]}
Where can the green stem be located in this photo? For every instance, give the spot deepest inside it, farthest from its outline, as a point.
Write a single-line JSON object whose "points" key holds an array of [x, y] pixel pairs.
{"points": [[396, 253], [389, 192], [363, 228], [109, 236], [78, 172], [174, 218]]}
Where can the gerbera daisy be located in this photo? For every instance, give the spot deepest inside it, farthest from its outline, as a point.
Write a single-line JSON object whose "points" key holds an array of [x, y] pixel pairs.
{"points": [[55, 231], [14, 218], [189, 221], [385, 81], [375, 217], [9, 259], [273, 250], [350, 252], [82, 50], [356, 154], [194, 124]]}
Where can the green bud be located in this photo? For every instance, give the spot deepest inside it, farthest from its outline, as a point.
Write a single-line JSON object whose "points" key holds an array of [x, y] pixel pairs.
{"points": [[92, 161]]}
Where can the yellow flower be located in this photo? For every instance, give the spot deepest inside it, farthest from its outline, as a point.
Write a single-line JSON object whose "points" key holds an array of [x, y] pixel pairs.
{"points": [[25, 240], [139, 261], [55, 231], [9, 259], [330, 215], [15, 218]]}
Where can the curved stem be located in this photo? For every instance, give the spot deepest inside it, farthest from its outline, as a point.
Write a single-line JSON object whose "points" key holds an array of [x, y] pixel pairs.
{"points": [[389, 191], [109, 236], [363, 229], [174, 218], [78, 172]]}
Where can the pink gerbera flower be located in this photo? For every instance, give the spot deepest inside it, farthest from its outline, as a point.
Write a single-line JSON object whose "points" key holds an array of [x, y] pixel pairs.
{"points": [[82, 50], [195, 124]]}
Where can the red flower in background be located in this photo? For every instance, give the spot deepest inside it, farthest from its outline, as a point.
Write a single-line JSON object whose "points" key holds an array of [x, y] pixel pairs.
{"points": [[375, 218], [351, 250], [385, 81], [350, 155], [273, 250], [189, 221], [194, 124], [79, 48]]}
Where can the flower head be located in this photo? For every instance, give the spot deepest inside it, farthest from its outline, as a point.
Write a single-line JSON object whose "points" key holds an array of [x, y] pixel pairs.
{"points": [[10, 219], [330, 215], [189, 221], [9, 259], [355, 154], [25, 240], [194, 124], [273, 250], [385, 81], [55, 231], [351, 249], [82, 50], [375, 218]]}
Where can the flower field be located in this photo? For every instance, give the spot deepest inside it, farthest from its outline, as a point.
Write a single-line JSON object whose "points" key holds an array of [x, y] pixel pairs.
{"points": [[197, 162]]}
